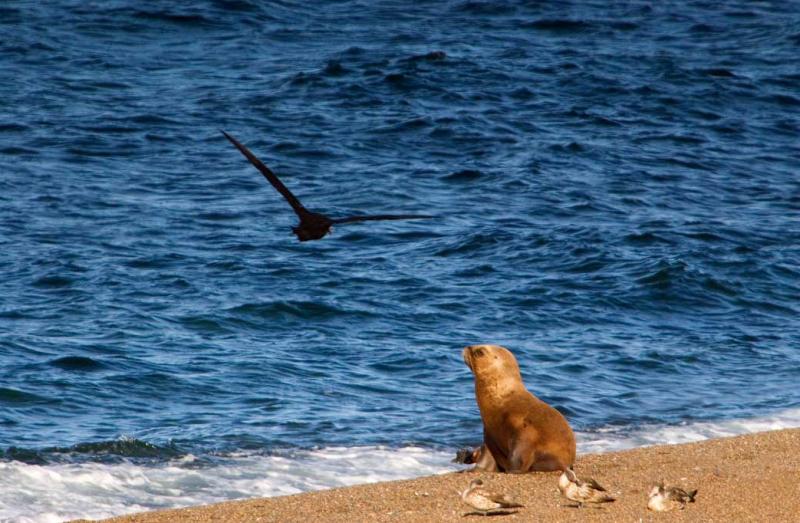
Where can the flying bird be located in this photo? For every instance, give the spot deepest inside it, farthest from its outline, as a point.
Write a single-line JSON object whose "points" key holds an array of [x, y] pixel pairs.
{"points": [[663, 499], [486, 501], [582, 490], [313, 225]]}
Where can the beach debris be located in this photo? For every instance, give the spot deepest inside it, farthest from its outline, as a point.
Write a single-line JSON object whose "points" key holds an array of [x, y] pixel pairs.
{"points": [[582, 490], [486, 501], [313, 225], [663, 498]]}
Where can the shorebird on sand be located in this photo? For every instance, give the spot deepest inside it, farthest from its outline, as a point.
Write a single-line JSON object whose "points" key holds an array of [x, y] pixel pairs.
{"points": [[485, 501], [313, 225], [582, 490], [662, 498]]}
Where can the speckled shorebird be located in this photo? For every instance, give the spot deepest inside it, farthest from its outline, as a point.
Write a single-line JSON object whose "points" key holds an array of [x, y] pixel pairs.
{"points": [[313, 225], [486, 501], [582, 490], [663, 499]]}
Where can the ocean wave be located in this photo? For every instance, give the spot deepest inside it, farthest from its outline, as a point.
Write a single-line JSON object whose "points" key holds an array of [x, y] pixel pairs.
{"points": [[39, 493], [32, 493]]}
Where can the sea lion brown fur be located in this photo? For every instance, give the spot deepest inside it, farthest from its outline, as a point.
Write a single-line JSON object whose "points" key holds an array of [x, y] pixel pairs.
{"points": [[521, 433]]}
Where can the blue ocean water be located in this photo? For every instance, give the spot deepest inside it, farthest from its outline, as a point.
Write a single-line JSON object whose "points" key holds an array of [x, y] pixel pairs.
{"points": [[616, 188]]}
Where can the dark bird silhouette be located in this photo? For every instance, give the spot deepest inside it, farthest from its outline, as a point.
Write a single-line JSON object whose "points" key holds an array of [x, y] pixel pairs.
{"points": [[313, 225]]}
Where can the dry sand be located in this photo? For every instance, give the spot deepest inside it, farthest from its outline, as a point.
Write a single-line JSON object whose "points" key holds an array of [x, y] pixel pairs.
{"points": [[746, 478]]}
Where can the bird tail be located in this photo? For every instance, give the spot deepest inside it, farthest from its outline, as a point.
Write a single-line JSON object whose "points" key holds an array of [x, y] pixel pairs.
{"points": [[692, 494]]}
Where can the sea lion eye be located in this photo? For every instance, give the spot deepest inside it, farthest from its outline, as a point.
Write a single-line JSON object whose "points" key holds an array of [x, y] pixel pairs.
{"points": [[478, 352]]}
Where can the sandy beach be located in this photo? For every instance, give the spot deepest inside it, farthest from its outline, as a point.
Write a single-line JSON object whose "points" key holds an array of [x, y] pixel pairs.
{"points": [[754, 477]]}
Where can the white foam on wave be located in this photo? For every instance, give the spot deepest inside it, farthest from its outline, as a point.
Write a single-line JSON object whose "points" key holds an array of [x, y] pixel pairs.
{"points": [[55, 493], [621, 438]]}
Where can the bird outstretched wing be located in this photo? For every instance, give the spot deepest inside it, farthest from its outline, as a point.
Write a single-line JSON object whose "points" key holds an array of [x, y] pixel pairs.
{"points": [[270, 176], [373, 217]]}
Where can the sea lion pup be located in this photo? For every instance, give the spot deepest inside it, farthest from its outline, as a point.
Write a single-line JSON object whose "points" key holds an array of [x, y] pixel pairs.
{"points": [[521, 433]]}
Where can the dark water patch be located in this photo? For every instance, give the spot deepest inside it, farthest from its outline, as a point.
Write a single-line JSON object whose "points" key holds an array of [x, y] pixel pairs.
{"points": [[786, 100], [741, 14], [719, 72], [475, 272], [477, 7], [9, 14], [572, 147], [77, 363], [705, 236], [18, 151], [18, 397], [244, 6], [188, 20], [153, 119], [675, 138], [13, 128], [558, 25], [13, 315], [126, 447], [117, 451], [784, 80], [53, 282], [298, 309], [705, 114], [220, 216], [522, 94], [689, 164], [718, 286], [161, 261], [334, 68], [467, 175], [411, 125], [111, 129], [665, 277], [473, 243], [646, 238], [623, 25], [702, 29], [432, 56]]}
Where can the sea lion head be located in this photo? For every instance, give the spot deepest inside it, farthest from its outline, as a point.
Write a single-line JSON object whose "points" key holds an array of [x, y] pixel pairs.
{"points": [[491, 362]]}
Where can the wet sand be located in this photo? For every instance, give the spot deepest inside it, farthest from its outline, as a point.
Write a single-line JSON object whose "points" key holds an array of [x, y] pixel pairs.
{"points": [[755, 477]]}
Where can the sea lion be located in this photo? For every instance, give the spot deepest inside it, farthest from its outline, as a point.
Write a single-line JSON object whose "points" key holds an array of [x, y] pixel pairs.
{"points": [[521, 433]]}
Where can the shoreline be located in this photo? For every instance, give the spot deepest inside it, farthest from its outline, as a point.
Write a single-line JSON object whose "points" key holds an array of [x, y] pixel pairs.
{"points": [[752, 477]]}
